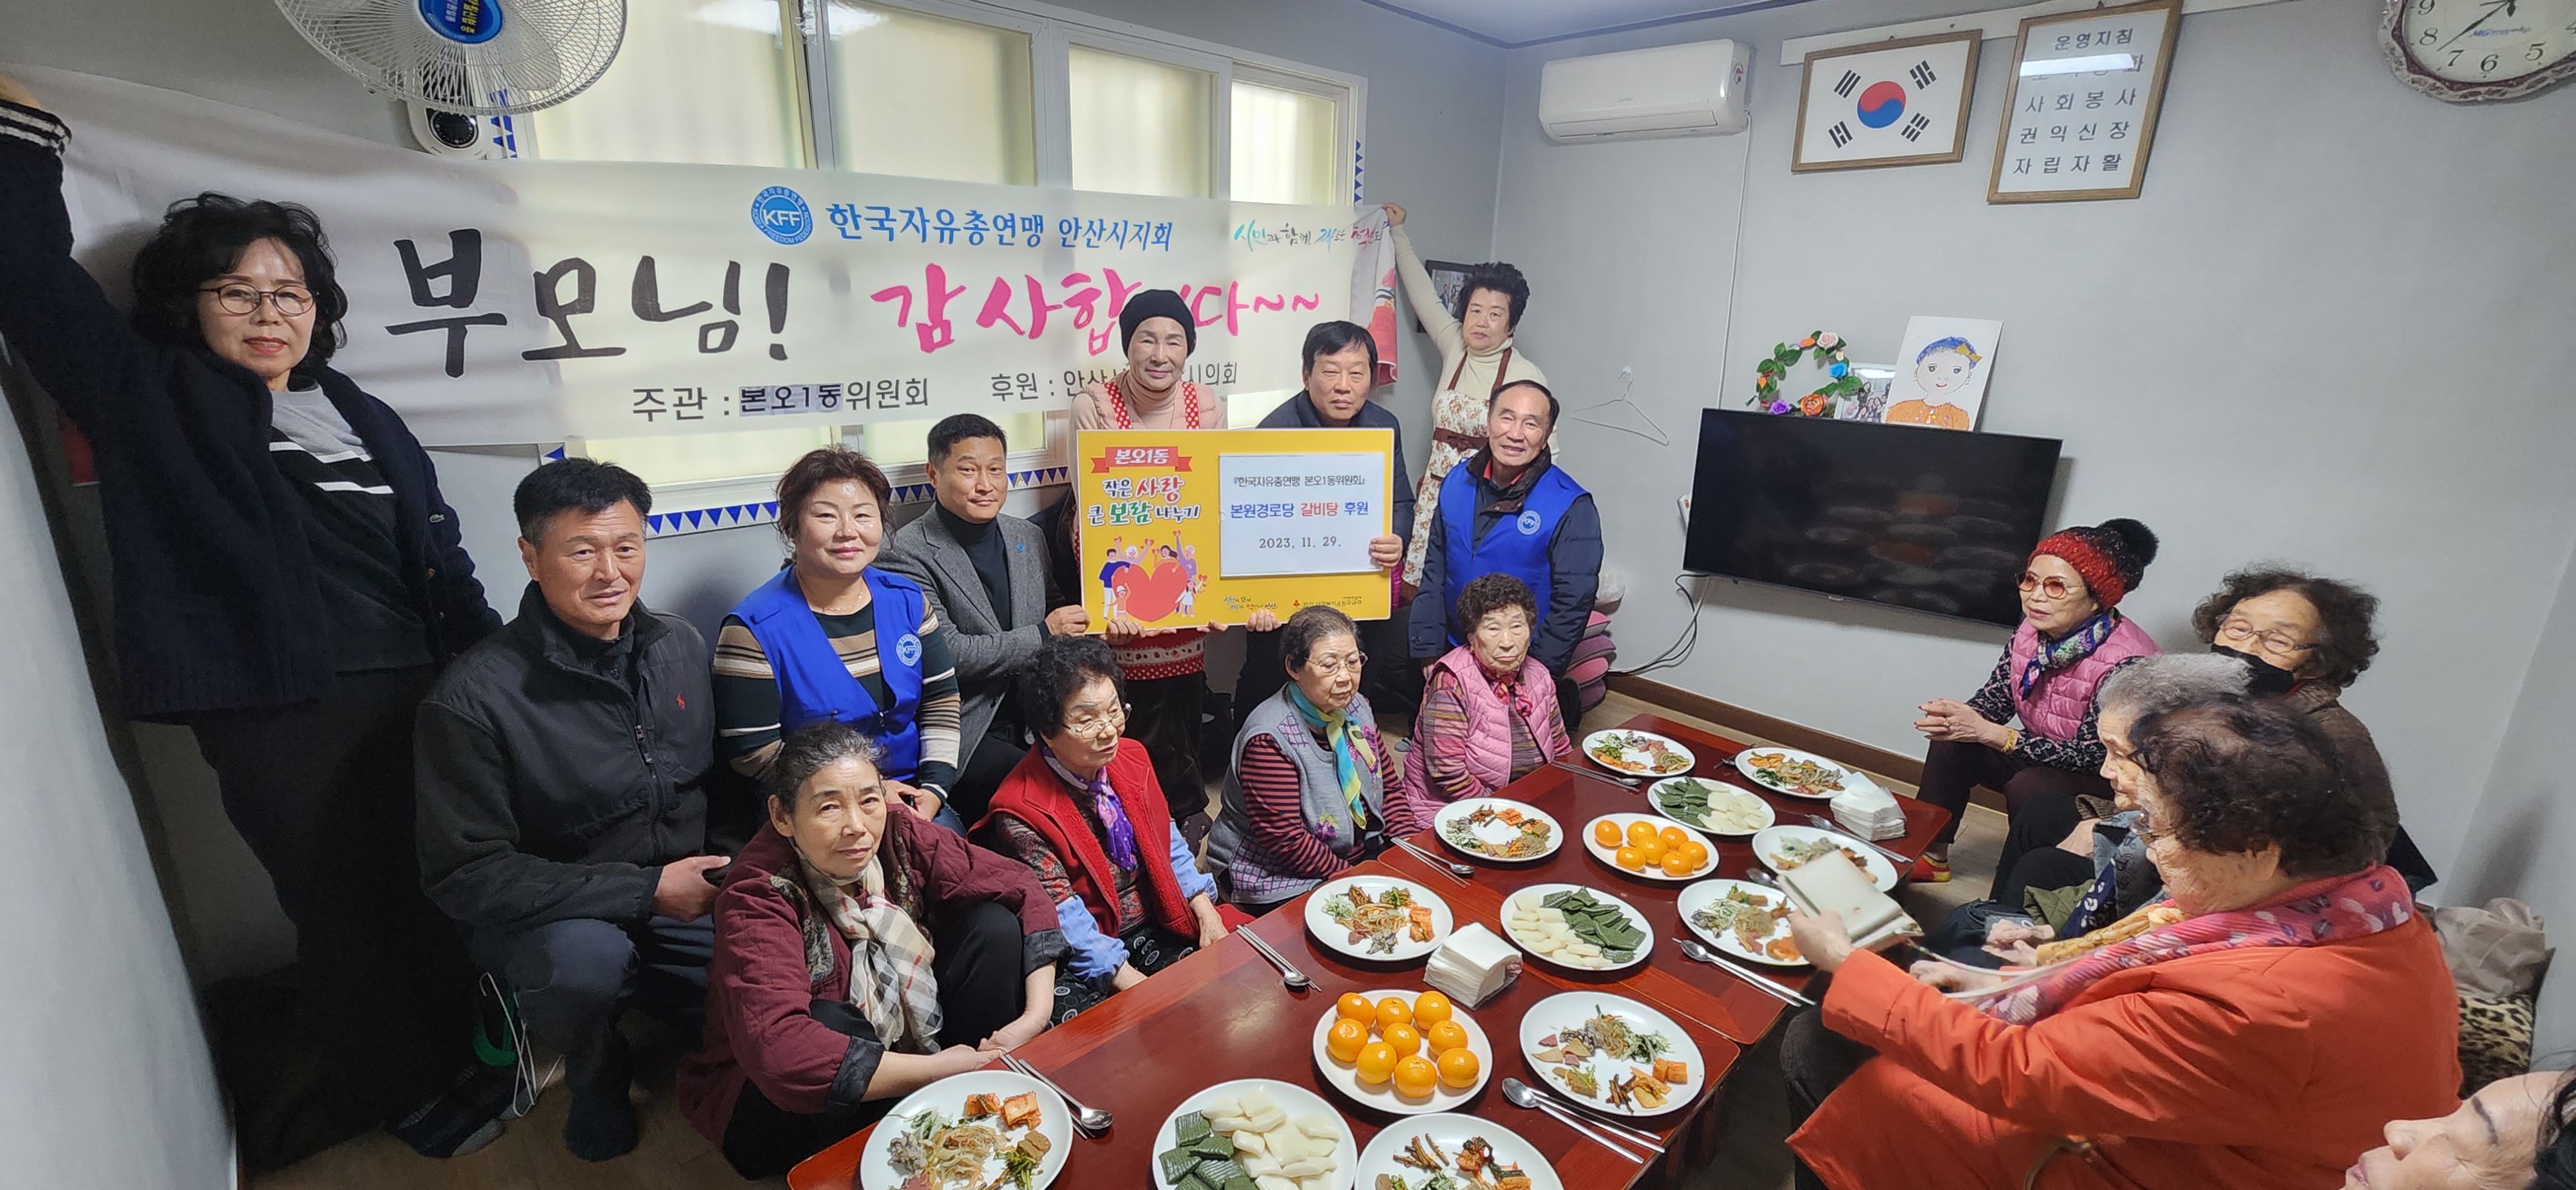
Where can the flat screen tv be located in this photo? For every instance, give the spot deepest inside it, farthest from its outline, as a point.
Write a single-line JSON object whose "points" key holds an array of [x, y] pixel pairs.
{"points": [[1931, 520]]}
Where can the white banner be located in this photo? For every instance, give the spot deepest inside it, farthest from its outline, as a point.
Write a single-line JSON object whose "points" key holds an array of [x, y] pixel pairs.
{"points": [[1300, 513], [534, 301]]}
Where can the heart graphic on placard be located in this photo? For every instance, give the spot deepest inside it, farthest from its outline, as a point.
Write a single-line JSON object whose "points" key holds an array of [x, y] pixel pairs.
{"points": [[1150, 597]]}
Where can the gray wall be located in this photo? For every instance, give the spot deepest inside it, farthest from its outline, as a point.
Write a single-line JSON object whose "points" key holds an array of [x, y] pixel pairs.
{"points": [[2346, 347]]}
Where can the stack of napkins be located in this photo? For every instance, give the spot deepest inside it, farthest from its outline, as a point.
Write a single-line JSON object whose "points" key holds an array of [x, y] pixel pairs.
{"points": [[1831, 883], [1472, 966], [1867, 809]]}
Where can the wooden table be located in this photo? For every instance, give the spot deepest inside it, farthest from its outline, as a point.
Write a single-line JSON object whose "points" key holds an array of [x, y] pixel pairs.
{"points": [[1223, 1014]]}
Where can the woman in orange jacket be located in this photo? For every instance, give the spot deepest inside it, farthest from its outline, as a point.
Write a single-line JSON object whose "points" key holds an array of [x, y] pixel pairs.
{"points": [[2255, 1030]]}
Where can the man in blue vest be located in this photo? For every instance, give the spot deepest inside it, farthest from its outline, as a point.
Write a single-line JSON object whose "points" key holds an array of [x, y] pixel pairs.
{"points": [[1508, 508]]}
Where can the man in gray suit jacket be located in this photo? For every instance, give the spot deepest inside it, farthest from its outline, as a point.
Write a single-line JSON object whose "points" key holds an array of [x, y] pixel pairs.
{"points": [[985, 575]]}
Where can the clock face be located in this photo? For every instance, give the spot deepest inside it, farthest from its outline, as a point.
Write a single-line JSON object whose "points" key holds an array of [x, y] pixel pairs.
{"points": [[2483, 49]]}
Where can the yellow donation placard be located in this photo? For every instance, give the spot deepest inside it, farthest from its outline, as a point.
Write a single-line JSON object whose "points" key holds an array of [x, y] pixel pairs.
{"points": [[1188, 527]]}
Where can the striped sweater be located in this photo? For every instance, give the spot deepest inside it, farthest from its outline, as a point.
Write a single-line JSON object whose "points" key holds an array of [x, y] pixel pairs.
{"points": [[747, 704]]}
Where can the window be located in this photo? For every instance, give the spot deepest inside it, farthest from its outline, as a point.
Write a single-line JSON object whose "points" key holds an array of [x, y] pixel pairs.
{"points": [[1286, 145], [1139, 126], [928, 97], [711, 82]]}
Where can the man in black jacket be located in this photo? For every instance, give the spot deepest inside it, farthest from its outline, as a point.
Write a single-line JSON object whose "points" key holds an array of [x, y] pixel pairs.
{"points": [[562, 767]]}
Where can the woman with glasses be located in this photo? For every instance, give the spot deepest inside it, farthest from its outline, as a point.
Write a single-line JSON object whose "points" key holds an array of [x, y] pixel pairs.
{"points": [[1311, 789], [1084, 810], [2255, 1027], [287, 582], [1489, 709], [2072, 636]]}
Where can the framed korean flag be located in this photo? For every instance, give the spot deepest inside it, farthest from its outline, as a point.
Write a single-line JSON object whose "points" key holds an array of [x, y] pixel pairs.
{"points": [[2081, 112], [1886, 103]]}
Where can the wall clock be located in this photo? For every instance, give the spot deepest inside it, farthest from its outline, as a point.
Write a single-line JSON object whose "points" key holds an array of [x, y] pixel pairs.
{"points": [[2472, 51]]}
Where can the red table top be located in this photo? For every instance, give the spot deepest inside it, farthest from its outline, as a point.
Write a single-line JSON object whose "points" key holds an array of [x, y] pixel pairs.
{"points": [[1223, 1014]]}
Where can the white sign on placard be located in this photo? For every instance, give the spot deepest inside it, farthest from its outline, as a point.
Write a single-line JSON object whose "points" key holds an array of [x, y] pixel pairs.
{"points": [[1299, 514]]}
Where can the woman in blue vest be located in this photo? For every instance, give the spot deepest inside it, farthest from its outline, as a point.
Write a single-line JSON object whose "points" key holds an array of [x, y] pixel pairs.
{"points": [[833, 637], [1508, 509]]}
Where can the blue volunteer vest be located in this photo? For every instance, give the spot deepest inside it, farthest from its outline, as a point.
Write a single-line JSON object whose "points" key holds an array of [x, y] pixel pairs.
{"points": [[1516, 546], [814, 686]]}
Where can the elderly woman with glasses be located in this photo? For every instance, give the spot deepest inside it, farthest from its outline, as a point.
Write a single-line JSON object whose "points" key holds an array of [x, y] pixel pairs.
{"points": [[2071, 637], [1084, 810], [1311, 789], [2254, 1028]]}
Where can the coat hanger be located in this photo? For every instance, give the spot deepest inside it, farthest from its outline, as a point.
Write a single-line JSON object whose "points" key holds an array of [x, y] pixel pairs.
{"points": [[1628, 385]]}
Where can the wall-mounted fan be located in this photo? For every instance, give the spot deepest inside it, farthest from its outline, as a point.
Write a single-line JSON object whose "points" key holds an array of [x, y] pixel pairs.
{"points": [[474, 57]]}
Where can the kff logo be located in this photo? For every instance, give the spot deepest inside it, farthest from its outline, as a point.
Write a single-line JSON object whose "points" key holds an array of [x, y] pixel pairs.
{"points": [[470, 21], [781, 214]]}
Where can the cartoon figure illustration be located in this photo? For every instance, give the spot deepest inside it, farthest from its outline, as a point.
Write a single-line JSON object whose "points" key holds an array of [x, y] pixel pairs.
{"points": [[1190, 566], [1111, 563], [1942, 372]]}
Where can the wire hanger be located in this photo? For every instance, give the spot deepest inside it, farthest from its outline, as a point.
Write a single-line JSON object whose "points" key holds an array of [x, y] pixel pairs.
{"points": [[1628, 385]]}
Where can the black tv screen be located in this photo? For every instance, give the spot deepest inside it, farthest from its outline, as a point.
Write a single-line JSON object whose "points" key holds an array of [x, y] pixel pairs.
{"points": [[1932, 520]]}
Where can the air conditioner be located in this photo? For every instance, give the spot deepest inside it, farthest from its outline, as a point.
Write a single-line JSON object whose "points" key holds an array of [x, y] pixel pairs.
{"points": [[1695, 89]]}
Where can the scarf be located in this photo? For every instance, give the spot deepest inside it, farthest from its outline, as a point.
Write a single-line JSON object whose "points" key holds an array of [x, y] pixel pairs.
{"points": [[2068, 649], [1506, 499], [1352, 756], [1105, 803], [2335, 909], [891, 983]]}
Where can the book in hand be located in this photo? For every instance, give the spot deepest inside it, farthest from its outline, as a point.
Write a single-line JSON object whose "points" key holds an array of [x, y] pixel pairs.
{"points": [[1832, 883]]}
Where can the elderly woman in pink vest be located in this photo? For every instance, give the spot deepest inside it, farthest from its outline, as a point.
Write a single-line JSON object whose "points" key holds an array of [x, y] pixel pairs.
{"points": [[2072, 636], [1488, 709], [1312, 790]]}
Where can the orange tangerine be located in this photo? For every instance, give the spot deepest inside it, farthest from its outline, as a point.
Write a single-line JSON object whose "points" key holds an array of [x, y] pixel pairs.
{"points": [[1678, 863], [1698, 853], [1652, 850], [1375, 1062], [1606, 833], [1445, 1036], [1393, 1011], [1458, 1067], [1405, 1040], [1673, 836], [1430, 1008], [1414, 1077], [1355, 1007], [1640, 833], [1630, 858], [1345, 1040]]}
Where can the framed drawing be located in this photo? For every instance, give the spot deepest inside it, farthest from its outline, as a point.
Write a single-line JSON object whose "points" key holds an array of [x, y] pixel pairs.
{"points": [[1447, 276], [2081, 112], [1886, 103]]}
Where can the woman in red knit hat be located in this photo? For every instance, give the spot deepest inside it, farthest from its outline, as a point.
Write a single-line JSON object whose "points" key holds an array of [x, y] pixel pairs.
{"points": [[2072, 636]]}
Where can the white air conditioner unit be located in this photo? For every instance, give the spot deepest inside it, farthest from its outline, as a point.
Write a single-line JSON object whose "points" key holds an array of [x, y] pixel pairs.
{"points": [[1675, 90]]}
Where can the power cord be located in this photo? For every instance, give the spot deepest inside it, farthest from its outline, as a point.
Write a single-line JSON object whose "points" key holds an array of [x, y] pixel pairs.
{"points": [[1682, 645]]}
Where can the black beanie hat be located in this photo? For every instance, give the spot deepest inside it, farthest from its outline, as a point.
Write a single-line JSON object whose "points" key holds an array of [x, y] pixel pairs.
{"points": [[1155, 303]]}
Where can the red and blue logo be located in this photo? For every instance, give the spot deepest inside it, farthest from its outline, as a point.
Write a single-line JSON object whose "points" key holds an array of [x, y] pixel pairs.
{"points": [[1881, 104]]}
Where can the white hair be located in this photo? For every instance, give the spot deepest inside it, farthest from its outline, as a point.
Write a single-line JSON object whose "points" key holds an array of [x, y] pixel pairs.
{"points": [[2166, 681]]}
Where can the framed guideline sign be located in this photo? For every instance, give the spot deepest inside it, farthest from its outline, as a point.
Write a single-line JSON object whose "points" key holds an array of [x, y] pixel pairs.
{"points": [[1182, 528]]}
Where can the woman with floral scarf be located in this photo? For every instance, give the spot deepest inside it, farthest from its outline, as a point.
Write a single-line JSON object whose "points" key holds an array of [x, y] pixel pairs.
{"points": [[2254, 1029], [2072, 636]]}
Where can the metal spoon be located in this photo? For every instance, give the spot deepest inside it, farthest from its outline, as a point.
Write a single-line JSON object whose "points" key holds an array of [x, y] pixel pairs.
{"points": [[1823, 823], [1513, 1087], [1288, 972], [1520, 1095], [1691, 948], [1459, 870], [1090, 1120]]}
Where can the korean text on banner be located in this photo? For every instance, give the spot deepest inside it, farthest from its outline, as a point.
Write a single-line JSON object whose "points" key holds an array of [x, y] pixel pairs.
{"points": [[535, 301], [1167, 541]]}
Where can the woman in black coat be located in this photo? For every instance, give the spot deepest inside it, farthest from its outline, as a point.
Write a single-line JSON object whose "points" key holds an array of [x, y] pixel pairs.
{"points": [[287, 580]]}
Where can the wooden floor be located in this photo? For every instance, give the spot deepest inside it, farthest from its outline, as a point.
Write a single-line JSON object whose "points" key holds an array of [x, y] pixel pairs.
{"points": [[672, 1156]]}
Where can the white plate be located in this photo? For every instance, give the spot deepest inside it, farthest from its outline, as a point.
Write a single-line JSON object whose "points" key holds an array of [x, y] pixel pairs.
{"points": [[1881, 872], [1632, 761], [1290, 1098], [1700, 895], [1344, 1076], [1568, 1009], [1337, 936], [1545, 890], [1744, 764], [1610, 855], [1655, 798], [1495, 832], [1451, 1132], [947, 1096]]}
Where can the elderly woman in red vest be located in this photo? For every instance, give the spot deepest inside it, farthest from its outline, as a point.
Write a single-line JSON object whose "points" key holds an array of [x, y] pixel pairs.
{"points": [[1085, 811], [2072, 636], [1489, 711], [860, 954]]}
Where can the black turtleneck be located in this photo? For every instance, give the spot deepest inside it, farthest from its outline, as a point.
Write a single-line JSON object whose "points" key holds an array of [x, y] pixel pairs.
{"points": [[983, 544]]}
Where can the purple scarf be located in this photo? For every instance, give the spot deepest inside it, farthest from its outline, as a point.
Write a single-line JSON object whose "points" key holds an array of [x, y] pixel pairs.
{"points": [[1104, 802], [2068, 649]]}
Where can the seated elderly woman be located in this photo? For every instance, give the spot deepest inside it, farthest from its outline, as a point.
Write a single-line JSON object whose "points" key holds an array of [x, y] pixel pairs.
{"points": [[2512, 1135], [2072, 636], [1489, 709], [1313, 788], [1085, 811], [860, 954], [2254, 1030]]}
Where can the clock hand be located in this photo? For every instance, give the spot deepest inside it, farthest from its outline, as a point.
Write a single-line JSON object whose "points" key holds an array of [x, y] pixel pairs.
{"points": [[2503, 6]]}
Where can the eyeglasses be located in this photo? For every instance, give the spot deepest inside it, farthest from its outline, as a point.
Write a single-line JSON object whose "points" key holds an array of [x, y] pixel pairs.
{"points": [[1101, 725], [2238, 631], [2148, 832], [1334, 667], [2051, 587], [293, 301]]}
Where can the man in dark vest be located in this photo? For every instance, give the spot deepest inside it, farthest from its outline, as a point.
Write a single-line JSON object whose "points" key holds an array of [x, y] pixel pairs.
{"points": [[1509, 508]]}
